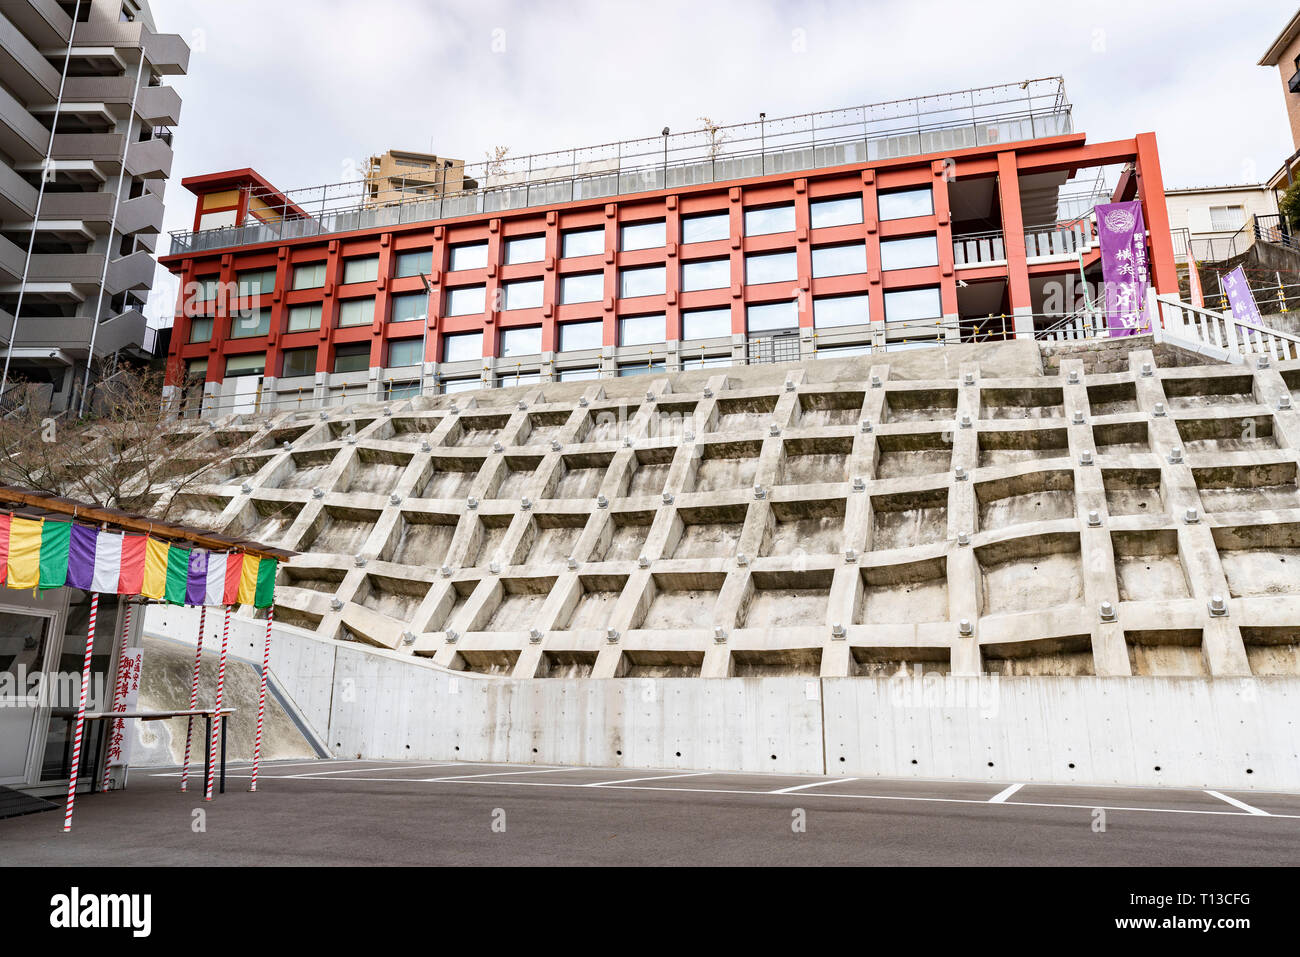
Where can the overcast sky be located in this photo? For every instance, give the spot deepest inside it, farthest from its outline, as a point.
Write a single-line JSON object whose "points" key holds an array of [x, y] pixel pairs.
{"points": [[303, 90]]}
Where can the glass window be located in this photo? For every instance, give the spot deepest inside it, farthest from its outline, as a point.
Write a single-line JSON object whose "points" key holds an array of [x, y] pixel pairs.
{"points": [[466, 300], [705, 362], [770, 267], [362, 269], [461, 385], [245, 365], [468, 256], [196, 370], [770, 219], [299, 362], [523, 294], [581, 335], [525, 249], [909, 253], [309, 276], [845, 260], [256, 282], [208, 288], [640, 368], [836, 212], [772, 315], [462, 346], [401, 390], [858, 349], [641, 330], [577, 375], [648, 235], [585, 287], [583, 242], [410, 307], [201, 330], [352, 357], [707, 274], [831, 311], [904, 304], [706, 228], [405, 352], [304, 317], [357, 312], [905, 203], [417, 262], [524, 341], [254, 323], [706, 323], [643, 281]]}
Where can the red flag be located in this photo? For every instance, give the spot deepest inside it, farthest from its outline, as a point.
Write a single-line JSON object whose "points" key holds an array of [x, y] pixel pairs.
{"points": [[131, 579], [4, 547], [234, 571]]}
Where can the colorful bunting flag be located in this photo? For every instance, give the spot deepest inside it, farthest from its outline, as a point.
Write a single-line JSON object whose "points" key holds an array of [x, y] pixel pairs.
{"points": [[39, 553]]}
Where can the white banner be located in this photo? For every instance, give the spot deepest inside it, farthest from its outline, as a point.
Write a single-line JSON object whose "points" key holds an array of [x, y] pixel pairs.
{"points": [[118, 743]]}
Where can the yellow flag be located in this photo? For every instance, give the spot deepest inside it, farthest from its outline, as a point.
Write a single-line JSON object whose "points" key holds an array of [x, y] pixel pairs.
{"points": [[248, 580], [155, 569], [24, 553]]}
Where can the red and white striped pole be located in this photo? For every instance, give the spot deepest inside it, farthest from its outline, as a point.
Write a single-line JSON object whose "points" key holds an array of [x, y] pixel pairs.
{"points": [[216, 712], [81, 713], [194, 698], [119, 689], [261, 696]]}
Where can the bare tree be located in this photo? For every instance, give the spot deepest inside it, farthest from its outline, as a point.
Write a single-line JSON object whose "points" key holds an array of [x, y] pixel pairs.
{"points": [[716, 135], [495, 164], [132, 454]]}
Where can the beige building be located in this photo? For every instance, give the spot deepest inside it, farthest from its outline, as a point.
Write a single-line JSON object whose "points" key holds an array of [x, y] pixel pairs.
{"points": [[1205, 220], [398, 175], [1284, 54]]}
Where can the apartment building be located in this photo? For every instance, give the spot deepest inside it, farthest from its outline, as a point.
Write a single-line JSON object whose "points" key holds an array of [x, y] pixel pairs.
{"points": [[86, 124], [892, 226], [1205, 220], [399, 175]]}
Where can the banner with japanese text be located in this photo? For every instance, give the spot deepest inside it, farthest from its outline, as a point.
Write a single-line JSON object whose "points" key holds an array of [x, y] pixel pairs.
{"points": [[1124, 267]]}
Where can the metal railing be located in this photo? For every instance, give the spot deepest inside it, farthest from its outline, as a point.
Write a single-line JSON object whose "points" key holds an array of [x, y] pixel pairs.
{"points": [[910, 127], [970, 249], [1059, 239], [1269, 228], [1222, 336]]}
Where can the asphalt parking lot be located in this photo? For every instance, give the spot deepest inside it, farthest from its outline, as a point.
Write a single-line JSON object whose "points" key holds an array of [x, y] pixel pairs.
{"points": [[432, 813]]}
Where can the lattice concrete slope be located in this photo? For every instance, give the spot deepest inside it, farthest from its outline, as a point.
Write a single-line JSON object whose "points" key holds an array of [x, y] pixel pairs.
{"points": [[1097, 509]]}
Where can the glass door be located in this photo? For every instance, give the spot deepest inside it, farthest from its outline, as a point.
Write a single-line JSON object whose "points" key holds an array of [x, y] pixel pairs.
{"points": [[24, 646]]}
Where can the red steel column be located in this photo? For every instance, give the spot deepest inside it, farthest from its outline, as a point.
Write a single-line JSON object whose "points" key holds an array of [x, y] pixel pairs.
{"points": [[1013, 239], [1151, 190]]}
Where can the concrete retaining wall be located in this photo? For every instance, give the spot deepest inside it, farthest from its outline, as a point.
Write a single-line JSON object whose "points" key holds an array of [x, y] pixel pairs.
{"points": [[1187, 732]]}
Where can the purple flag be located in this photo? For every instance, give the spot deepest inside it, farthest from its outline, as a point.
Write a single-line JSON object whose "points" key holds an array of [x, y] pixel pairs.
{"points": [[1124, 267], [1240, 298], [196, 581], [81, 557]]}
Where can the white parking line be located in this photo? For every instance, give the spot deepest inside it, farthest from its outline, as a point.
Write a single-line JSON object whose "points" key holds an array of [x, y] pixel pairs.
{"points": [[1001, 796], [491, 774], [405, 767], [1241, 804], [471, 779], [814, 784], [657, 777]]}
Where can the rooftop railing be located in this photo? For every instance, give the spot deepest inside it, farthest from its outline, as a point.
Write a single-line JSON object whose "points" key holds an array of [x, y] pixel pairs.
{"points": [[910, 127]]}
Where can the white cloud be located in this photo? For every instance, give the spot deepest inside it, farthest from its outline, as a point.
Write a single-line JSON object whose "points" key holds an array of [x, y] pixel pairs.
{"points": [[297, 90]]}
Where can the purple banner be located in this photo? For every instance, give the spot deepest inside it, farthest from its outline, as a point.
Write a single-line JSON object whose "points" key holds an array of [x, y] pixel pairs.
{"points": [[1240, 298], [1124, 267]]}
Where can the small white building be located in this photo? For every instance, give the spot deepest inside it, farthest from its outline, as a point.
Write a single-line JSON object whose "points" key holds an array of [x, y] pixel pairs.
{"points": [[1205, 219]]}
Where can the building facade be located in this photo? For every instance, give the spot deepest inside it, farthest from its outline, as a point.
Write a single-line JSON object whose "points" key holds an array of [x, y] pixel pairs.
{"points": [[828, 234], [1205, 220], [85, 152]]}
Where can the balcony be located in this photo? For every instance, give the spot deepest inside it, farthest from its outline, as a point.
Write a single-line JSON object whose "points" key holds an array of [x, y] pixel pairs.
{"points": [[11, 261], [72, 334], [144, 214], [995, 115], [87, 207], [104, 149], [41, 20], [130, 272], [979, 249], [1059, 241], [26, 72], [168, 54], [159, 105], [22, 137], [17, 196], [152, 158]]}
